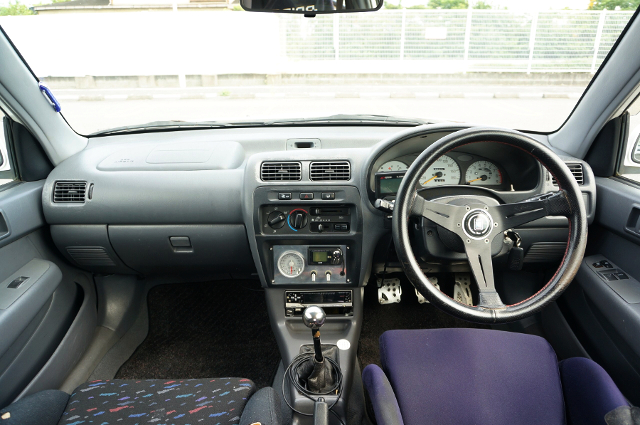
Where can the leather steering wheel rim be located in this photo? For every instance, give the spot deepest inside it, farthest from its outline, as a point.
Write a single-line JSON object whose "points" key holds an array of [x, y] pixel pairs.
{"points": [[566, 202]]}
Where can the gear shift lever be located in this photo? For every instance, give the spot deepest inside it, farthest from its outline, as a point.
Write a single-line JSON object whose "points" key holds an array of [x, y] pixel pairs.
{"points": [[313, 318]]}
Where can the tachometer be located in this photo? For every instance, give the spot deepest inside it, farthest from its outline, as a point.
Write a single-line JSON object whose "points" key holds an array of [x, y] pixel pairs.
{"points": [[483, 173], [444, 171], [393, 166], [291, 264]]}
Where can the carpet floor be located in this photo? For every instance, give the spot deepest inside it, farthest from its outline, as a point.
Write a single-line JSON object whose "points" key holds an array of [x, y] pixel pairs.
{"points": [[206, 330]]}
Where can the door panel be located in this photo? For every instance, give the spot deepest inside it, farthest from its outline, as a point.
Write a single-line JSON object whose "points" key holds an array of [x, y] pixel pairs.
{"points": [[603, 304], [40, 297]]}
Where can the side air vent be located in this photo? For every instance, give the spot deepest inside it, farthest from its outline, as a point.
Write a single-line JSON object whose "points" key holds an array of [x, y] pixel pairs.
{"points": [[576, 170], [280, 171], [90, 256], [329, 171], [69, 192]]}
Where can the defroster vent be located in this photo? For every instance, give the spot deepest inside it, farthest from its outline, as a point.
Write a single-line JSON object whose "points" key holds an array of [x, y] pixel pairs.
{"points": [[330, 171], [576, 170], [280, 171], [70, 192]]}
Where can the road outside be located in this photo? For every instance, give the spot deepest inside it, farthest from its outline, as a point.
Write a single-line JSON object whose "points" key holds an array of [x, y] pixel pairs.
{"points": [[527, 108]]}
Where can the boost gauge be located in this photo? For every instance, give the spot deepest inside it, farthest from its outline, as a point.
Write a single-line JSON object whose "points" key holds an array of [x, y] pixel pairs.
{"points": [[483, 173], [291, 264]]}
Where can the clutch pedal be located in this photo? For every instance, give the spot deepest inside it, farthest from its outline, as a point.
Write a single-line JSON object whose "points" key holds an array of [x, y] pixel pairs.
{"points": [[389, 291]]}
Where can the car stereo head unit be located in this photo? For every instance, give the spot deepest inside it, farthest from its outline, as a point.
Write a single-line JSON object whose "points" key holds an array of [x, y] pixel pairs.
{"points": [[333, 302]]}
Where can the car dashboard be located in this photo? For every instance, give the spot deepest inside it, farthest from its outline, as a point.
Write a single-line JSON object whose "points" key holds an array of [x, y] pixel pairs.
{"points": [[228, 201]]}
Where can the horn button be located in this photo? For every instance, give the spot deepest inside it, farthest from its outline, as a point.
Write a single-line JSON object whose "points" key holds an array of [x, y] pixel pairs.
{"points": [[477, 223]]}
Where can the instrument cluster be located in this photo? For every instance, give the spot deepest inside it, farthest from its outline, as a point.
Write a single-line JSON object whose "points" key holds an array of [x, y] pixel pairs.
{"points": [[455, 168]]}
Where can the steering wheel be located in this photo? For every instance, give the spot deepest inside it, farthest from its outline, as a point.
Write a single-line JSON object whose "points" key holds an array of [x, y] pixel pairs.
{"points": [[477, 224]]}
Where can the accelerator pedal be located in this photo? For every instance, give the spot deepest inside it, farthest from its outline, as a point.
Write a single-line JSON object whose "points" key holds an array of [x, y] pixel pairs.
{"points": [[389, 291]]}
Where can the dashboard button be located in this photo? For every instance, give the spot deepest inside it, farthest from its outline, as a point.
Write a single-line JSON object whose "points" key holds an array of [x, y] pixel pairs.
{"points": [[328, 196], [284, 196], [306, 195]]}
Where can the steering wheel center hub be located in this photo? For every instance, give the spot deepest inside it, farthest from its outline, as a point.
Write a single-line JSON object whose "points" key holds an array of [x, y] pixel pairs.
{"points": [[477, 223]]}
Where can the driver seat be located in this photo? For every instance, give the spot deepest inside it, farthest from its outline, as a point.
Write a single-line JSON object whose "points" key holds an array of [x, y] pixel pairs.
{"points": [[482, 376]]}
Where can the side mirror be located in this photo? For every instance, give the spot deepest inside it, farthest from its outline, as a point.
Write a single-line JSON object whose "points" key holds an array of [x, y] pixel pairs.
{"points": [[635, 154], [311, 7]]}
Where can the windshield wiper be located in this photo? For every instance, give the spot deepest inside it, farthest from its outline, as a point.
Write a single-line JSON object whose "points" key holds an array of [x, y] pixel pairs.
{"points": [[367, 120], [357, 119], [167, 126]]}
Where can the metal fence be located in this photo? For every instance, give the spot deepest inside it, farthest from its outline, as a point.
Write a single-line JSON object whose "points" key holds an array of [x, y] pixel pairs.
{"points": [[459, 40], [411, 41]]}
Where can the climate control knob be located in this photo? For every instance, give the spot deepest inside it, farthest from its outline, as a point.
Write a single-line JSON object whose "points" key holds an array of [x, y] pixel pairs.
{"points": [[276, 219], [298, 218]]}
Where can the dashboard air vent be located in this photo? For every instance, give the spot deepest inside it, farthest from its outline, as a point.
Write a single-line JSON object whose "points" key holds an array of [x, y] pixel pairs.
{"points": [[69, 192], [280, 171], [576, 170], [328, 171]]}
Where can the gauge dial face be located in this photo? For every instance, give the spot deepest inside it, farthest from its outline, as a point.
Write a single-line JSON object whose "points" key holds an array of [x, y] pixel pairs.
{"points": [[483, 173], [291, 264], [444, 171], [393, 166]]}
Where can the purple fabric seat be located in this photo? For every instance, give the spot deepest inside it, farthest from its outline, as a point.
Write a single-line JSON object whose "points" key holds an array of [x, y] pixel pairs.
{"points": [[479, 376]]}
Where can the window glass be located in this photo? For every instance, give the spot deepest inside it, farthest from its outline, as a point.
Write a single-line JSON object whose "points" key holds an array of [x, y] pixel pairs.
{"points": [[7, 174]]}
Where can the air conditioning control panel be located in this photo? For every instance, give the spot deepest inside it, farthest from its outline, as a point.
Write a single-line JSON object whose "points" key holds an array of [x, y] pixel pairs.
{"points": [[297, 219]]}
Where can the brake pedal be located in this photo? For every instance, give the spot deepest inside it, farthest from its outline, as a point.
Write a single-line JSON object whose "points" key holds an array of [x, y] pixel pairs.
{"points": [[462, 289], [434, 282], [389, 291]]}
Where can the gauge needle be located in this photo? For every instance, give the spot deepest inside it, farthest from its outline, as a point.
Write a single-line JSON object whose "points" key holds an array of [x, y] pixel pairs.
{"points": [[482, 177], [436, 175]]}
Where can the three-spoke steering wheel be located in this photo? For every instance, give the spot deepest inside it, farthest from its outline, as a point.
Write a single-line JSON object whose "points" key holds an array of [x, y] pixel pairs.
{"points": [[477, 224]]}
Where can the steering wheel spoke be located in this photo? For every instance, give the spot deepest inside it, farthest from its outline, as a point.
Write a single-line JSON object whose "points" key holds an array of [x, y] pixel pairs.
{"points": [[479, 254], [509, 216], [445, 215]]}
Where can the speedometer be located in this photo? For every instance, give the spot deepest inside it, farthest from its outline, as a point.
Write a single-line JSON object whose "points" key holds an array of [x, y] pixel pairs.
{"points": [[444, 171], [483, 173], [393, 166]]}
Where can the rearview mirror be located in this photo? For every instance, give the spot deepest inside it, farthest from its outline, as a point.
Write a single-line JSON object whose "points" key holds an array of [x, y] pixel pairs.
{"points": [[311, 7]]}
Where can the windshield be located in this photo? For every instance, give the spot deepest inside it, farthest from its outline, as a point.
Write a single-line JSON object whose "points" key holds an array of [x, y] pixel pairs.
{"points": [[115, 63]]}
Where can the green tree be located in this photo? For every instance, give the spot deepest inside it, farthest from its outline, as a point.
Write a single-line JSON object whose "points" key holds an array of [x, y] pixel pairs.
{"points": [[457, 4], [16, 8], [613, 4], [448, 4]]}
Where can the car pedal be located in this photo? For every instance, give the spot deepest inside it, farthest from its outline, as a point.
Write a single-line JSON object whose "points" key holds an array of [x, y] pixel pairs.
{"points": [[389, 291], [462, 289], [434, 282]]}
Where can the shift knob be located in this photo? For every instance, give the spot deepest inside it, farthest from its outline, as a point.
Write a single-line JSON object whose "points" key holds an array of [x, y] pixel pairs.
{"points": [[313, 317]]}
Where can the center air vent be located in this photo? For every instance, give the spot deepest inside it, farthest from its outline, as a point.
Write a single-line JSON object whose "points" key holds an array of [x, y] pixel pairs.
{"points": [[576, 170], [280, 171], [69, 192], [327, 171]]}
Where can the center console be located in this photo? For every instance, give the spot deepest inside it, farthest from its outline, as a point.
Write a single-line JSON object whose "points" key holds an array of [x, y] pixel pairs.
{"points": [[309, 242]]}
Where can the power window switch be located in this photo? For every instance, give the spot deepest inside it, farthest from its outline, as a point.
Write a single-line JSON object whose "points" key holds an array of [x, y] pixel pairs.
{"points": [[17, 282], [622, 275]]}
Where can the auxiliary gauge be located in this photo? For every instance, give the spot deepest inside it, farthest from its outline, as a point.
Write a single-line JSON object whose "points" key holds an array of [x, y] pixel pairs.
{"points": [[291, 264]]}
